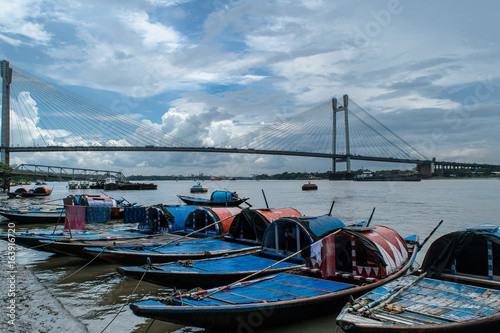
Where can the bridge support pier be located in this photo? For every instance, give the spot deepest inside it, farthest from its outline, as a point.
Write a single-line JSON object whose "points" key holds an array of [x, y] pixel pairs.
{"points": [[6, 81], [426, 169]]}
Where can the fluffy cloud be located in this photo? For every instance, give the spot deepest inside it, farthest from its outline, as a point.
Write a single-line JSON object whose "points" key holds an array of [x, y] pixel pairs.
{"points": [[209, 73]]}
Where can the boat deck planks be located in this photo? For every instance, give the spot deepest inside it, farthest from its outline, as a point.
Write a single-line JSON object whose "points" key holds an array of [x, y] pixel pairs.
{"points": [[436, 301], [278, 287]]}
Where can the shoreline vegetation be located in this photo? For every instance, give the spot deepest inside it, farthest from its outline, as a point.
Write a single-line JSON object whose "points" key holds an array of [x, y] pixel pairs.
{"points": [[480, 173]]}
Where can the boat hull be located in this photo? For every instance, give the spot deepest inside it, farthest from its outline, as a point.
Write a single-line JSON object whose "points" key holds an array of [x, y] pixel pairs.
{"points": [[35, 218], [200, 202]]}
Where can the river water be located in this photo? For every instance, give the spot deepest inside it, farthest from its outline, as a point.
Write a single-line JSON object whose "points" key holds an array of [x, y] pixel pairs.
{"points": [[96, 294]]}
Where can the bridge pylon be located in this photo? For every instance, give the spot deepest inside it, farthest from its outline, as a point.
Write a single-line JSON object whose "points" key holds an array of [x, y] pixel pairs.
{"points": [[345, 108], [6, 81]]}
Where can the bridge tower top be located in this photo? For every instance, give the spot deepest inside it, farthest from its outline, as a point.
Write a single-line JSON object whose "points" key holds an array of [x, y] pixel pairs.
{"points": [[6, 81]]}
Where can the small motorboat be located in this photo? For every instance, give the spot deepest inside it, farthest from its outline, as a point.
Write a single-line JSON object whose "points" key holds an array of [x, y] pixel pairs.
{"points": [[218, 198], [456, 290]]}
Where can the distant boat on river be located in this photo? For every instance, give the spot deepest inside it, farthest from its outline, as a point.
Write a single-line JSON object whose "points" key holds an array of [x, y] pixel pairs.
{"points": [[368, 176]]}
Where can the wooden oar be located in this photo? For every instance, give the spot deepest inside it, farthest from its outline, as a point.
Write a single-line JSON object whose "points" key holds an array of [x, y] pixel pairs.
{"points": [[262, 270], [178, 239]]}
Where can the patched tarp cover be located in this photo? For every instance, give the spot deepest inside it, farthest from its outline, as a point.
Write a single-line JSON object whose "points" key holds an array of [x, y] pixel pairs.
{"points": [[221, 196], [469, 247], [388, 246]]}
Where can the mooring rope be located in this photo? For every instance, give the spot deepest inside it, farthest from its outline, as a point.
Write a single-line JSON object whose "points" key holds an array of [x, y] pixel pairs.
{"points": [[126, 302], [67, 277]]}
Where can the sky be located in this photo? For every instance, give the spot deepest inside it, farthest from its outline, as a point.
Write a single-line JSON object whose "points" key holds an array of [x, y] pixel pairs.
{"points": [[209, 71]]}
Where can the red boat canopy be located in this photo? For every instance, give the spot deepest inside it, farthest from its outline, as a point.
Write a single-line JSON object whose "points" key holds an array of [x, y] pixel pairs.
{"points": [[368, 252]]}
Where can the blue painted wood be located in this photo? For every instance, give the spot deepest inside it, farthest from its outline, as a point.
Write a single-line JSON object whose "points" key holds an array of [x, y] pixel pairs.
{"points": [[158, 253]]}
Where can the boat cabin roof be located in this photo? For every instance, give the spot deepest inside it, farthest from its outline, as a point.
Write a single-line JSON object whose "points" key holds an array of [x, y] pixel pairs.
{"points": [[252, 223], [41, 190], [204, 216], [302, 232], [472, 251], [159, 218]]}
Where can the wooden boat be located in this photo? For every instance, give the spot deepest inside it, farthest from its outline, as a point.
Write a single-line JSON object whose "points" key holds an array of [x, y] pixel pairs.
{"points": [[456, 290], [379, 255], [198, 188], [37, 192], [218, 198], [214, 272], [75, 247], [33, 215], [207, 273], [173, 251], [30, 239]]}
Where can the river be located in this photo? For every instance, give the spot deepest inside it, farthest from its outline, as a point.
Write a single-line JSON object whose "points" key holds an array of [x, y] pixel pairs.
{"points": [[97, 292]]}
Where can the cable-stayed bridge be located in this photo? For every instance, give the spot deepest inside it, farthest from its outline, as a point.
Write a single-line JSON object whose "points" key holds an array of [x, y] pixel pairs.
{"points": [[39, 116]]}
